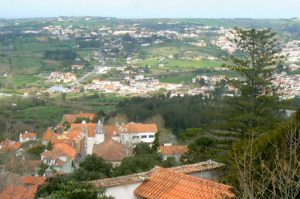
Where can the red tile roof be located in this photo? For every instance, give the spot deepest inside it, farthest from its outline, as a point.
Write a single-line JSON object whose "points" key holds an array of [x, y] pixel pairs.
{"points": [[70, 118], [33, 180], [18, 192], [173, 150], [111, 131], [48, 135], [110, 150], [75, 134], [67, 149], [9, 145], [90, 127], [168, 184], [28, 135], [122, 180], [197, 167], [139, 127]]}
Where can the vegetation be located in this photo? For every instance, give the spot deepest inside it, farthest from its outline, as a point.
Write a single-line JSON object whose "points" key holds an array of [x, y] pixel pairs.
{"points": [[268, 166], [255, 61]]}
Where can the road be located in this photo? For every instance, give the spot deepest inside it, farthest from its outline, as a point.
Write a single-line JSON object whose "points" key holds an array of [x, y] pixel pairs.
{"points": [[96, 68]]}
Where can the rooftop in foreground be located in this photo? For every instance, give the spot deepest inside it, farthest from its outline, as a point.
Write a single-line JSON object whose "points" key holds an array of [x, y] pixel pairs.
{"points": [[140, 177]]}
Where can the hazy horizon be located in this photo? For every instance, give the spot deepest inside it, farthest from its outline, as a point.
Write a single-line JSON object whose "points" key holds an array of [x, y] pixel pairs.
{"points": [[141, 9]]}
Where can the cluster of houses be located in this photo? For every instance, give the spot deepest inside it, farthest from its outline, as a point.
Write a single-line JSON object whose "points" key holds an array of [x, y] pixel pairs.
{"points": [[138, 86], [61, 77], [288, 85], [292, 51], [74, 138]]}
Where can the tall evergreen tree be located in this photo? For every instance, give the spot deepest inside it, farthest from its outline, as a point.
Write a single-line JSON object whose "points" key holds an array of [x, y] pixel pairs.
{"points": [[255, 61]]}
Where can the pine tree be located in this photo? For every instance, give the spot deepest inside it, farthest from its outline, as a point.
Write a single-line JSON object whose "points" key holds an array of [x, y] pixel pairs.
{"points": [[255, 61]]}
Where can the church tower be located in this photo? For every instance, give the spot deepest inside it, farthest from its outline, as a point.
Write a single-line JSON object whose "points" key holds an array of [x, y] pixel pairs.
{"points": [[99, 134]]}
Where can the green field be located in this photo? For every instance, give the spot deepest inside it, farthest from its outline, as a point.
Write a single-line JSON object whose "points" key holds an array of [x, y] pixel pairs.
{"points": [[25, 65], [182, 78], [4, 65], [26, 80], [181, 63]]}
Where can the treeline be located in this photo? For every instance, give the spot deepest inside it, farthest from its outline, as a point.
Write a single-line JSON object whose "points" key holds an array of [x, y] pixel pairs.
{"points": [[60, 55], [178, 113]]}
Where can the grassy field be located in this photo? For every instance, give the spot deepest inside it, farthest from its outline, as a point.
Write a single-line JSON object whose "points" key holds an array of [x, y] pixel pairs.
{"points": [[26, 80], [180, 78], [181, 63], [4, 65], [26, 65]]}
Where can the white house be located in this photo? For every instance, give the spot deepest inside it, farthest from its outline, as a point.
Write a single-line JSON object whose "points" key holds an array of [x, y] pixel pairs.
{"points": [[27, 136], [134, 133], [173, 151], [60, 158], [124, 187]]}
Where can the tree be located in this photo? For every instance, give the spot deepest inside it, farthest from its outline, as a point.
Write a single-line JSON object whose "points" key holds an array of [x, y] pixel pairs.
{"points": [[77, 190], [255, 61], [93, 167], [142, 149], [137, 164], [268, 166], [200, 150]]}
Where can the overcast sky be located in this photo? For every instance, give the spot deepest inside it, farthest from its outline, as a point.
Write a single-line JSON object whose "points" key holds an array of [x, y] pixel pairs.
{"points": [[151, 8]]}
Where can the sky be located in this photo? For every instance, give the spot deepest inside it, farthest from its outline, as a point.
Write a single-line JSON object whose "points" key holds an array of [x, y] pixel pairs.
{"points": [[151, 8]]}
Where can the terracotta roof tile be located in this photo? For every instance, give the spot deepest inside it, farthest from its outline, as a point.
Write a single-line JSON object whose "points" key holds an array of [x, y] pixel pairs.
{"points": [[173, 150], [111, 131], [197, 167], [8, 145], [110, 150], [70, 118], [75, 134], [168, 184], [139, 127], [18, 192], [90, 127], [33, 180], [122, 180], [28, 135], [48, 135], [67, 149]]}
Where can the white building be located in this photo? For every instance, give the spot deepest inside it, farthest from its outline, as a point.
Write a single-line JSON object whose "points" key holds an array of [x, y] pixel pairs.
{"points": [[25, 137], [124, 187], [134, 133]]}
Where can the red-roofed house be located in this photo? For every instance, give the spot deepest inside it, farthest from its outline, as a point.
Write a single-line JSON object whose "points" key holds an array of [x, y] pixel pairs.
{"points": [[22, 188], [174, 151], [29, 181], [111, 151], [18, 192], [133, 133], [168, 184], [9, 145], [173, 181], [27, 136], [60, 158], [70, 118]]}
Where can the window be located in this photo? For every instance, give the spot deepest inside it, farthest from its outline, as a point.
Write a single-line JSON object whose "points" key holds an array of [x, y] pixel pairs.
{"points": [[144, 136], [151, 136], [135, 137]]}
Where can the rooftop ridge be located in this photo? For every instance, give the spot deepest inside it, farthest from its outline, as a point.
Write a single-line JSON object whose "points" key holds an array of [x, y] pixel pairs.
{"points": [[139, 177]]}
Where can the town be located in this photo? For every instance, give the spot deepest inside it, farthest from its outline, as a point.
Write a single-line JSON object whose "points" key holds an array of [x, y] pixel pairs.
{"points": [[104, 107], [76, 137]]}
